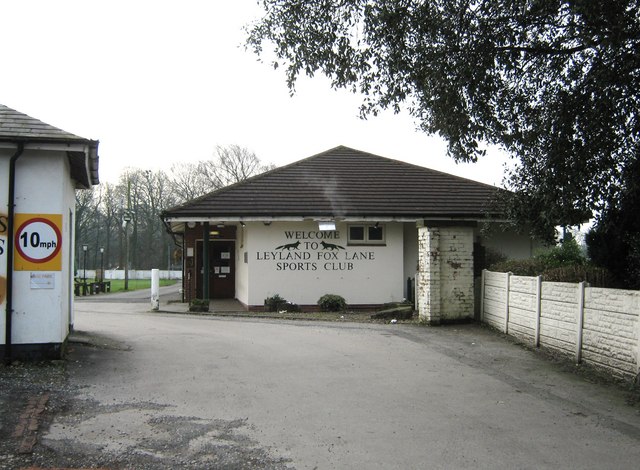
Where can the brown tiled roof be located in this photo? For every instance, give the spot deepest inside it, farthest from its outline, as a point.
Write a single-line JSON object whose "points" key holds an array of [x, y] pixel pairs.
{"points": [[19, 127], [343, 182]]}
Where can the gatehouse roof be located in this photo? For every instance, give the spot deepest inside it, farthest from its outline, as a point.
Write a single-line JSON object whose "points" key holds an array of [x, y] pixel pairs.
{"points": [[17, 127]]}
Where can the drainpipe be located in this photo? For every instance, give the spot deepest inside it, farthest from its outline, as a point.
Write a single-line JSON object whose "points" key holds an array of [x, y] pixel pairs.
{"points": [[205, 260], [10, 241]]}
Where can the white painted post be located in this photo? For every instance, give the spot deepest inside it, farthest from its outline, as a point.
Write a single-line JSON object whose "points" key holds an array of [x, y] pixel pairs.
{"points": [[155, 289], [538, 310], [506, 303], [580, 322]]}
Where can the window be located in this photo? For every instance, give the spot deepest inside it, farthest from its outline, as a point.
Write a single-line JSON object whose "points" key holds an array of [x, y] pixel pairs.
{"points": [[366, 234]]}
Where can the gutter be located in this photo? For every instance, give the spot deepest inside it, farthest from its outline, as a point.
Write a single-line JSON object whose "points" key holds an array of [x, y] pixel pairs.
{"points": [[10, 241]]}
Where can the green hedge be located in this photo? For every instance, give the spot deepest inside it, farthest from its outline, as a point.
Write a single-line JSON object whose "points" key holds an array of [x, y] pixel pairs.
{"points": [[563, 263]]}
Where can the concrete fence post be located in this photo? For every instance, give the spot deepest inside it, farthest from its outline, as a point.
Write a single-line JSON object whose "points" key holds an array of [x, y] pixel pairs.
{"points": [[580, 322], [482, 285], [155, 289], [506, 302], [538, 310], [637, 379], [416, 296]]}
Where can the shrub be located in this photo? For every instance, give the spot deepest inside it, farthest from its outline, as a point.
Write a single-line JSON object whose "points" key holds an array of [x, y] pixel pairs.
{"points": [[199, 305], [332, 303], [562, 263], [276, 303], [595, 276], [568, 253], [519, 267]]}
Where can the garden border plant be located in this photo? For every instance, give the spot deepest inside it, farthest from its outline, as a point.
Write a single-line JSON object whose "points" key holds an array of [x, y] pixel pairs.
{"points": [[332, 303], [276, 303], [199, 305]]}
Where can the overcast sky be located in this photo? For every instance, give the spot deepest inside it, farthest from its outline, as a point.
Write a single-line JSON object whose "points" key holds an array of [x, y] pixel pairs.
{"points": [[159, 82]]}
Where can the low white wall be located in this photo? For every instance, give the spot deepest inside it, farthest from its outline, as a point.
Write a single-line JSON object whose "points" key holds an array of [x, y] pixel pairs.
{"points": [[595, 325], [110, 274]]}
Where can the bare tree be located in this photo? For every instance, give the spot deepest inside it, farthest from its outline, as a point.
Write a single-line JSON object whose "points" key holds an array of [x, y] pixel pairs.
{"points": [[231, 165], [145, 194], [187, 182]]}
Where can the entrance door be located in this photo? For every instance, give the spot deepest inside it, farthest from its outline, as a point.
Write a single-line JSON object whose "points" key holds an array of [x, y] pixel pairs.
{"points": [[222, 256], [222, 264]]}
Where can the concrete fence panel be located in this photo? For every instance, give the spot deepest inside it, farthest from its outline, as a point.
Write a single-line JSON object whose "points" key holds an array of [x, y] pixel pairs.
{"points": [[598, 326], [522, 307], [558, 320], [610, 336], [494, 299]]}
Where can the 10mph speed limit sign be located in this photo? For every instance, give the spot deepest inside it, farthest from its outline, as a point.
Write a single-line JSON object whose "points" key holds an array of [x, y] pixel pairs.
{"points": [[38, 242]]}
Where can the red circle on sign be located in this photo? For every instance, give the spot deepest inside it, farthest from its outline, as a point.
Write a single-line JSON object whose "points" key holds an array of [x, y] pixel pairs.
{"points": [[44, 221]]}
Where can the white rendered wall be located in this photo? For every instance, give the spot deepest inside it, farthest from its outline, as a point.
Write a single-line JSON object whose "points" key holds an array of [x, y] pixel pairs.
{"points": [[410, 250], [5, 155], [43, 186], [508, 242], [374, 277]]}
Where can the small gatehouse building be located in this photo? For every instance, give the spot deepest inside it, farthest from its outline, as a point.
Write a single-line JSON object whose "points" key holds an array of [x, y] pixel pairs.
{"points": [[344, 222], [41, 166]]}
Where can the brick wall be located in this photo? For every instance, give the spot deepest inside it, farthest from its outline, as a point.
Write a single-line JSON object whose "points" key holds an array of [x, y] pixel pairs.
{"points": [[594, 325], [445, 282]]}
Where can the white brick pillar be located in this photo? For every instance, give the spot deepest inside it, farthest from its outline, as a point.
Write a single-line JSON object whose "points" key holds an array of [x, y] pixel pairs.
{"points": [[445, 263], [429, 279]]}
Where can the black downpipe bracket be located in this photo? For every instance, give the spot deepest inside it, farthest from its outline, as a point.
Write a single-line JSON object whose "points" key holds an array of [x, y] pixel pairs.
{"points": [[8, 353]]}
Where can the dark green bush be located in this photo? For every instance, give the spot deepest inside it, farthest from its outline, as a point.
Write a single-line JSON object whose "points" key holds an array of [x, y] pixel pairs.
{"points": [[332, 303], [276, 303], [291, 307], [519, 267], [562, 263], [199, 305], [568, 253], [595, 276]]}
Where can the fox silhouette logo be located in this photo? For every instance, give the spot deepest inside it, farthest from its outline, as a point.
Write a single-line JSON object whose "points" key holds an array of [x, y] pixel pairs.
{"points": [[331, 246], [289, 246]]}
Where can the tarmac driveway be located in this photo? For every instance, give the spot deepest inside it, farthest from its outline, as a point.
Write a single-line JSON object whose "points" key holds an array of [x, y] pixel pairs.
{"points": [[154, 390]]}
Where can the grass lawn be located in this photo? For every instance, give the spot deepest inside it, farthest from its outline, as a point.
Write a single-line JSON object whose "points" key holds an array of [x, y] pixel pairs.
{"points": [[117, 285]]}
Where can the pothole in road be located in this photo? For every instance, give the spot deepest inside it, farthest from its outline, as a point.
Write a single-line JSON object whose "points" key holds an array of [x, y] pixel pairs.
{"points": [[144, 435]]}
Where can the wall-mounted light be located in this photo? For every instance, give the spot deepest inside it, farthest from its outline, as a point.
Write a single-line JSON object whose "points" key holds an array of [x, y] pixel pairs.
{"points": [[326, 226], [191, 224], [243, 224], [267, 222]]}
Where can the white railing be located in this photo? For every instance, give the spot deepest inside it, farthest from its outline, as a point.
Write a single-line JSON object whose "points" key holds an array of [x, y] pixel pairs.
{"points": [[110, 274]]}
